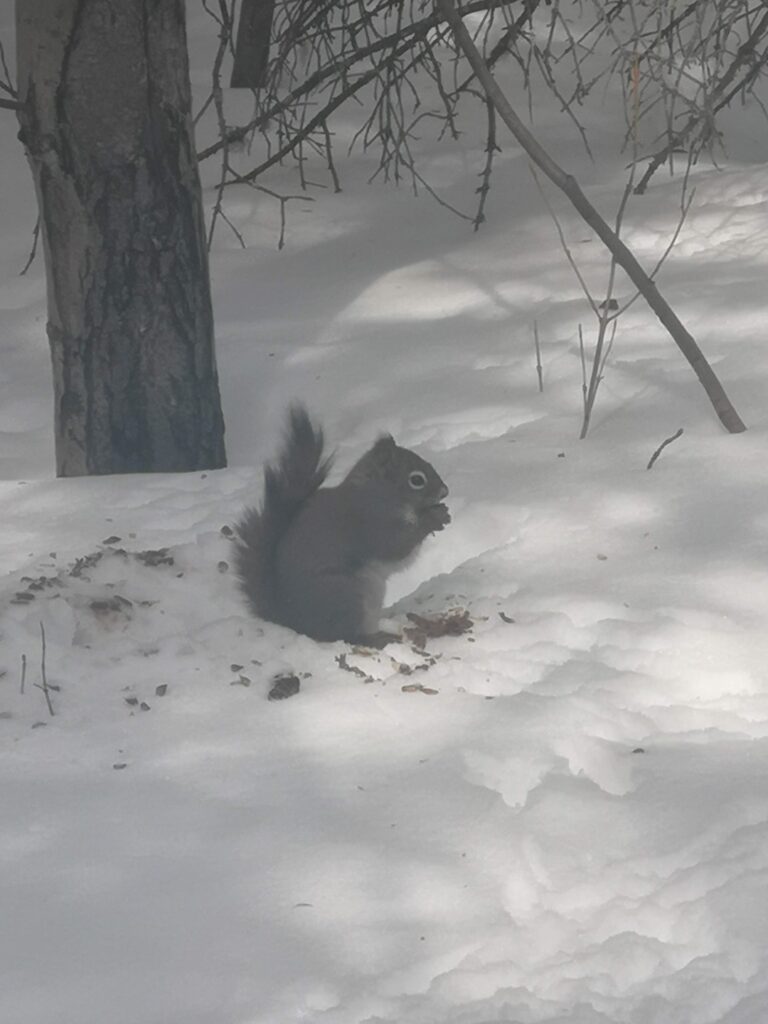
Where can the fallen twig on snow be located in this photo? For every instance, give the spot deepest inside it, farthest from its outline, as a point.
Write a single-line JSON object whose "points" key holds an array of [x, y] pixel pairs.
{"points": [[662, 446]]}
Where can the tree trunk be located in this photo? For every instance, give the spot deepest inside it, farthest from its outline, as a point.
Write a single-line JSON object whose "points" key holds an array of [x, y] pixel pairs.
{"points": [[252, 48], [107, 129]]}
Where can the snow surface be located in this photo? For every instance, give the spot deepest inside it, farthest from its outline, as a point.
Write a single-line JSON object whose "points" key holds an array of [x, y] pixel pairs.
{"points": [[574, 827]]}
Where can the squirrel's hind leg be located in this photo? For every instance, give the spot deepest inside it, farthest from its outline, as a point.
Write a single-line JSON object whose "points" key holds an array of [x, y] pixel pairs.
{"points": [[336, 605]]}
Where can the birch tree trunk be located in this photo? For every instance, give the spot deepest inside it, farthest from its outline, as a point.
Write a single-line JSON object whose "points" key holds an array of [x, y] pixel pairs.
{"points": [[106, 124]]}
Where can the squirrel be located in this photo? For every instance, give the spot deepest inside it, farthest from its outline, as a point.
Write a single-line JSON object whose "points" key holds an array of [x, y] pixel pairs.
{"points": [[316, 559]]}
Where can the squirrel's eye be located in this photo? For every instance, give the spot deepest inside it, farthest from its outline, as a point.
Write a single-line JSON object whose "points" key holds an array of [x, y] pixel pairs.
{"points": [[417, 480]]}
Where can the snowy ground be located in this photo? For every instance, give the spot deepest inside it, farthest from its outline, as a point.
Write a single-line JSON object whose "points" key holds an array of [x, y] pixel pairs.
{"points": [[574, 827]]}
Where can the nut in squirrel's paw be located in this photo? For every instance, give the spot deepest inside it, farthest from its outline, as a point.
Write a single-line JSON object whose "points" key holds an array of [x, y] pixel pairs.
{"points": [[436, 517]]}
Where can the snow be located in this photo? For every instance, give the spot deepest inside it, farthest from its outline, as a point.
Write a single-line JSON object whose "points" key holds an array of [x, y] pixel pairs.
{"points": [[574, 827]]}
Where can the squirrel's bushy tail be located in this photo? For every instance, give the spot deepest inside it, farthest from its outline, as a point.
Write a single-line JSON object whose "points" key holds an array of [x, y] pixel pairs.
{"points": [[288, 483]]}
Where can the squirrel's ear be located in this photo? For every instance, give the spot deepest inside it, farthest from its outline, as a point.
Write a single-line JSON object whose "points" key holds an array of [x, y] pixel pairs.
{"points": [[384, 451]]}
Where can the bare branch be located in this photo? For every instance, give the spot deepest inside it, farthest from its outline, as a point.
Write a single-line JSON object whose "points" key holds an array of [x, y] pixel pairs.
{"points": [[537, 348], [662, 446], [338, 69], [224, 19], [624, 257], [33, 250], [720, 92], [45, 688], [490, 150], [7, 85]]}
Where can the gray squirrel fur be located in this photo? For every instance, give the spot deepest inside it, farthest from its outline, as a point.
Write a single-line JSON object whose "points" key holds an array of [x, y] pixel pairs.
{"points": [[317, 558]]}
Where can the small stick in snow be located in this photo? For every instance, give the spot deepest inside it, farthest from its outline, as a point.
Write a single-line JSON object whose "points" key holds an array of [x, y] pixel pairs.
{"points": [[583, 369], [23, 672], [42, 671], [539, 371], [662, 446]]}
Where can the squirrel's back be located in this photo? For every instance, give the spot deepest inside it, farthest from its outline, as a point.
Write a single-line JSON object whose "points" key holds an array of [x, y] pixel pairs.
{"points": [[288, 484]]}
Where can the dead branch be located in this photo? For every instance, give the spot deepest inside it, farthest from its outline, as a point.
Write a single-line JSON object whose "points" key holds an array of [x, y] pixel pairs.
{"points": [[315, 122], [662, 446], [6, 85], [537, 348], [33, 250], [329, 156], [624, 257], [337, 69], [45, 688], [283, 201], [216, 96], [325, 52], [491, 148], [720, 93]]}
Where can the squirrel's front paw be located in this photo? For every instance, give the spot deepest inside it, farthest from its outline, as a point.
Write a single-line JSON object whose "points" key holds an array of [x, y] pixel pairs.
{"points": [[436, 517]]}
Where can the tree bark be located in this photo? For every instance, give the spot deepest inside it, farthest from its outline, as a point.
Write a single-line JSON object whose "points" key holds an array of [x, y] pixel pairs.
{"points": [[107, 127], [623, 256], [252, 47]]}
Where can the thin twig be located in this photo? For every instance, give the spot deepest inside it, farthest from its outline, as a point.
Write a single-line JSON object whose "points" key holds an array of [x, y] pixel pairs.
{"points": [[308, 127], [506, 41], [329, 156], [33, 250], [7, 85], [336, 69], [225, 21], [662, 446], [44, 687], [600, 356], [539, 370], [491, 148], [563, 243], [283, 200], [23, 672], [623, 255], [745, 53]]}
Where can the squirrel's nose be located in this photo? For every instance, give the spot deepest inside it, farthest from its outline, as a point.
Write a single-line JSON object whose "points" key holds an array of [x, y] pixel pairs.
{"points": [[443, 493]]}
